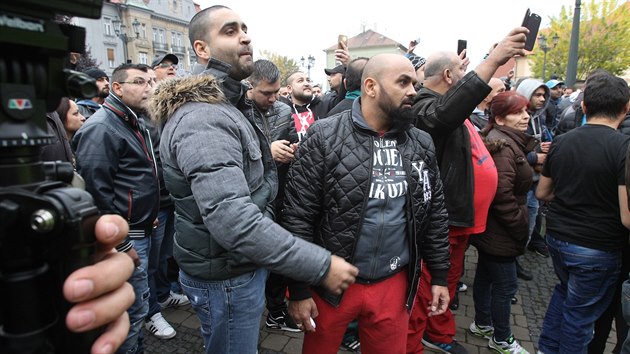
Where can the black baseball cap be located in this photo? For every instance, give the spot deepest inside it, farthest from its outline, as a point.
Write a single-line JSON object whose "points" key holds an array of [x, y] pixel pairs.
{"points": [[158, 60]]}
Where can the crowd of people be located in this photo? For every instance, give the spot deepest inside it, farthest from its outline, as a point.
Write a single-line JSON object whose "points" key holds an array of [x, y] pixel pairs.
{"points": [[347, 215]]}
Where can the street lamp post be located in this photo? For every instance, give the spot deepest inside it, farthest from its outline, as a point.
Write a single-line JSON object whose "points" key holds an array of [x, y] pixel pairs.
{"points": [[120, 30], [542, 43], [309, 62]]}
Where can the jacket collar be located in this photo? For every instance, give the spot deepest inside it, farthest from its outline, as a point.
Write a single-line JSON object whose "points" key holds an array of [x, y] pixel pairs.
{"points": [[115, 104], [234, 90]]}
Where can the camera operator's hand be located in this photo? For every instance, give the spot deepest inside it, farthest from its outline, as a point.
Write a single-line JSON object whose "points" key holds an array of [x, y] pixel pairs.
{"points": [[100, 291]]}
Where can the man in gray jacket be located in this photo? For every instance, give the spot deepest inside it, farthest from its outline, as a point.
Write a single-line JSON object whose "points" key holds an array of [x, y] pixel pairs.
{"points": [[219, 169]]}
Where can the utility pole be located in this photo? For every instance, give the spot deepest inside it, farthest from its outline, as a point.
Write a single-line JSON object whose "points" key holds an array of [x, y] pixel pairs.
{"points": [[573, 49]]}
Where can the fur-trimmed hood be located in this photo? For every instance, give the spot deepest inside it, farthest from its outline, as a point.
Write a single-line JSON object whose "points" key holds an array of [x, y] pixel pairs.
{"points": [[171, 94]]}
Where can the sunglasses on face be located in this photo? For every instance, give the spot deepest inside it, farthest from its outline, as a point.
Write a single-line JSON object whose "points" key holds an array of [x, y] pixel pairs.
{"points": [[167, 65]]}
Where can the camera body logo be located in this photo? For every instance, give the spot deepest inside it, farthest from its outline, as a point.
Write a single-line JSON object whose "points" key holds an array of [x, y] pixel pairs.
{"points": [[20, 23], [20, 103]]}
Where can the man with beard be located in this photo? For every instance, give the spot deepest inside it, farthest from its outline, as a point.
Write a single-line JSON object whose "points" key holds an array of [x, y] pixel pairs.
{"points": [[366, 186], [304, 105], [88, 107], [218, 167], [442, 106]]}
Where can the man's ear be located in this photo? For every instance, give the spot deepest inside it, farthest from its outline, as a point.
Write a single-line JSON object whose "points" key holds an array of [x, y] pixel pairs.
{"points": [[369, 86], [447, 76], [201, 49], [117, 88], [345, 83]]}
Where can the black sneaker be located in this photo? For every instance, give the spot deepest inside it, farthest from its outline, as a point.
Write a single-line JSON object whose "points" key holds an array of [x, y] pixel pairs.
{"points": [[281, 321], [542, 251], [453, 347], [351, 343]]}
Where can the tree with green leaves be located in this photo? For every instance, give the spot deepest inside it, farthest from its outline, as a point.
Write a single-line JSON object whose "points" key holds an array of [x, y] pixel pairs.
{"points": [[604, 33], [286, 65]]}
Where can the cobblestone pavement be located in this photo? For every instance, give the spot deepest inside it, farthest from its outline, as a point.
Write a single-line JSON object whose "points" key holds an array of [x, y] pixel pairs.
{"points": [[527, 317]]}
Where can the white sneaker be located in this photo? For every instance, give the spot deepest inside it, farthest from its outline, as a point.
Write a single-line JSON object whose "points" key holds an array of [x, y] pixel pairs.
{"points": [[158, 326], [510, 346], [481, 331], [174, 300]]}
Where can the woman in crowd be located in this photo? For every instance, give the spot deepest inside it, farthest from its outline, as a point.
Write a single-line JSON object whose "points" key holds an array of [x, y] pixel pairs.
{"points": [[69, 114], [506, 231]]}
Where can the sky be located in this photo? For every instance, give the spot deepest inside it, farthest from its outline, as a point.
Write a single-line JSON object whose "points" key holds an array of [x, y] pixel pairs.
{"points": [[300, 28]]}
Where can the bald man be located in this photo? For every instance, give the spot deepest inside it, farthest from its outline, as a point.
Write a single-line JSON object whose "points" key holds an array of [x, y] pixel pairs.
{"points": [[479, 117], [365, 186], [442, 107]]}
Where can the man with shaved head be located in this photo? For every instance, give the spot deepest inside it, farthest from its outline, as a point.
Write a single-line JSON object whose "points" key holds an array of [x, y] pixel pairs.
{"points": [[365, 185], [442, 107], [219, 168], [479, 117]]}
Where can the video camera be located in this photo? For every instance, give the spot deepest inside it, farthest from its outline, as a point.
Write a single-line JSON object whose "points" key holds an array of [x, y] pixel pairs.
{"points": [[46, 227]]}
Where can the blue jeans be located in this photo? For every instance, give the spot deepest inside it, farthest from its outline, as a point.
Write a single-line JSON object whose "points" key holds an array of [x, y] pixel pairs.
{"points": [[495, 284], [532, 208], [587, 282], [625, 303], [161, 249], [140, 307], [229, 310]]}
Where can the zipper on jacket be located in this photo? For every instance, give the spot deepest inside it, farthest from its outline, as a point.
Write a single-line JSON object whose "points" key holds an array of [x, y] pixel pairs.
{"points": [[129, 204]]}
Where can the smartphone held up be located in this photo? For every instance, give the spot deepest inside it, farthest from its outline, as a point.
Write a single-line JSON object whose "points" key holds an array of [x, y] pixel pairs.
{"points": [[532, 23]]}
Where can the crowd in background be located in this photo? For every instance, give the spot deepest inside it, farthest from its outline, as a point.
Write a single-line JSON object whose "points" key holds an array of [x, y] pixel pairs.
{"points": [[348, 214]]}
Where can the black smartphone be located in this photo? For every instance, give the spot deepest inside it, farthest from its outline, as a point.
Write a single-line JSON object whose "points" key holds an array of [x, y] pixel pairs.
{"points": [[461, 45], [532, 23]]}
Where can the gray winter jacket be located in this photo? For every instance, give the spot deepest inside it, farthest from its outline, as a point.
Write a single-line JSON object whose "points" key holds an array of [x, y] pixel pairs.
{"points": [[215, 168]]}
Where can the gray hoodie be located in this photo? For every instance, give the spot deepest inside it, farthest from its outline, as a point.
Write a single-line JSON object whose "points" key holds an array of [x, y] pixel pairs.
{"points": [[537, 118]]}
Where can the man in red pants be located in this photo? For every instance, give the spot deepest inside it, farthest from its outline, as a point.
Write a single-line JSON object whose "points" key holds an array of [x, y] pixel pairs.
{"points": [[442, 107]]}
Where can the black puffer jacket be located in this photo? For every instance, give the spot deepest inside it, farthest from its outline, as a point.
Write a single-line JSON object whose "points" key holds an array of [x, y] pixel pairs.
{"points": [[327, 193]]}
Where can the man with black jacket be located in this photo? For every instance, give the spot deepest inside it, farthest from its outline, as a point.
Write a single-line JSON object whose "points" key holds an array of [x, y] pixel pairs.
{"points": [[114, 156], [365, 186], [273, 118], [442, 107]]}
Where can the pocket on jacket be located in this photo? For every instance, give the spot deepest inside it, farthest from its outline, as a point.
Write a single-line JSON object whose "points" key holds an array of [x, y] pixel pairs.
{"points": [[253, 166]]}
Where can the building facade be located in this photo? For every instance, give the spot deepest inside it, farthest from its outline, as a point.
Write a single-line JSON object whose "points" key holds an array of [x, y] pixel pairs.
{"points": [[137, 31]]}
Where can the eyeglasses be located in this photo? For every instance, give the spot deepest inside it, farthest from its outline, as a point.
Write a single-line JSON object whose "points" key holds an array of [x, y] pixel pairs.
{"points": [[140, 82], [167, 65]]}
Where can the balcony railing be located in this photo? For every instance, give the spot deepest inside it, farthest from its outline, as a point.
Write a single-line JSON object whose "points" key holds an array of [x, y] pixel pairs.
{"points": [[178, 49], [160, 46]]}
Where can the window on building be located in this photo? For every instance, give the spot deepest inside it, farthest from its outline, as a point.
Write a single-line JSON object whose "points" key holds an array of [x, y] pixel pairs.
{"points": [[155, 34], [143, 58], [107, 26], [178, 40], [161, 38], [143, 30], [111, 57], [173, 38]]}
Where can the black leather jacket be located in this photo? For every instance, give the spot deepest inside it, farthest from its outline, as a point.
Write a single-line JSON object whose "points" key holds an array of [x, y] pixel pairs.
{"points": [[276, 124], [327, 193], [118, 166], [443, 117]]}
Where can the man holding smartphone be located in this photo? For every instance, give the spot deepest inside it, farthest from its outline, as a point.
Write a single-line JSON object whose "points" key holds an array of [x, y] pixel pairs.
{"points": [[442, 106]]}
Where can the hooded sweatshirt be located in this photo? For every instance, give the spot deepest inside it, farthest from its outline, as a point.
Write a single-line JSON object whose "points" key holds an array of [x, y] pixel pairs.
{"points": [[537, 117]]}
